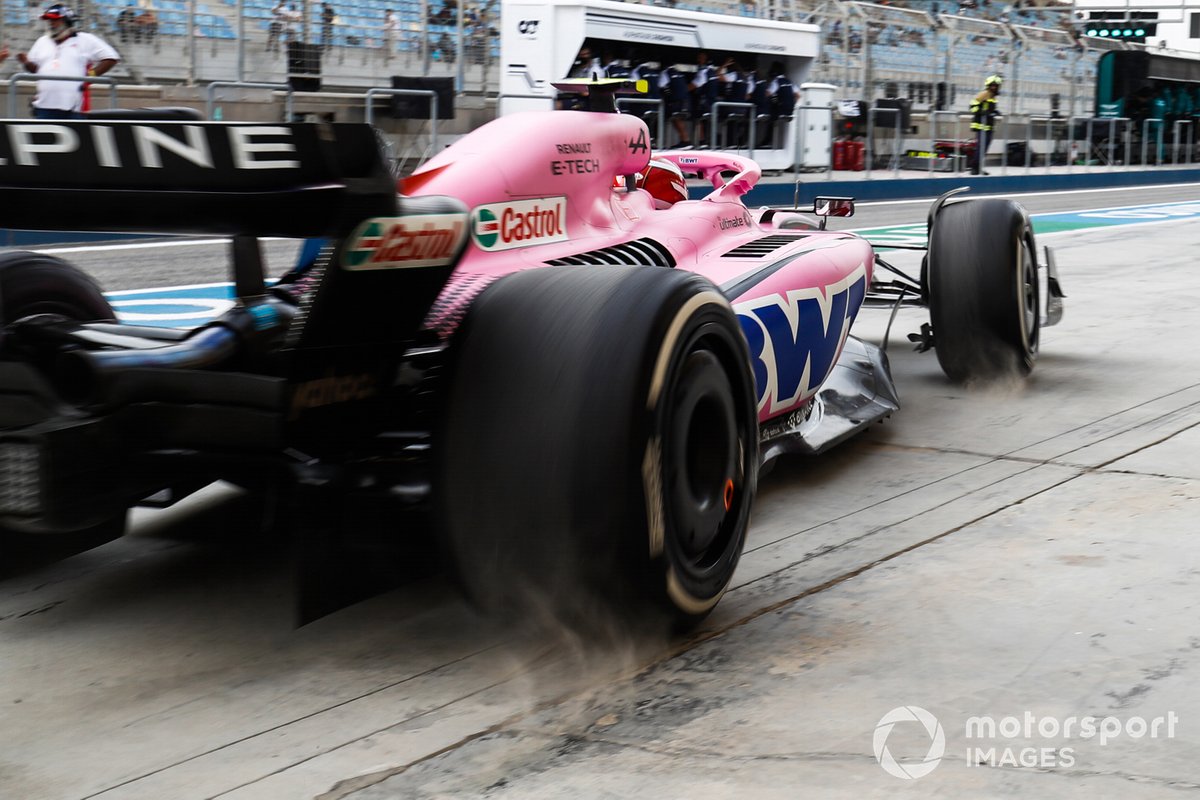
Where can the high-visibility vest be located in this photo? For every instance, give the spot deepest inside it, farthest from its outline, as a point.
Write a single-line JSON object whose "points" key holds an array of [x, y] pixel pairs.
{"points": [[983, 107]]}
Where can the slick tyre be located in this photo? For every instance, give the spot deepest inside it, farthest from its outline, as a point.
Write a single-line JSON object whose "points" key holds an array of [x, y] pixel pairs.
{"points": [[983, 290], [599, 447], [33, 283]]}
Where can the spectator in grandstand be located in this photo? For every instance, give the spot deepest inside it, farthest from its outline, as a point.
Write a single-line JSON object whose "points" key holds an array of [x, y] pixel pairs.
{"points": [[445, 45], [391, 31], [62, 50], [3, 53], [328, 15], [148, 24], [292, 19], [127, 24], [983, 120], [476, 45], [276, 27]]}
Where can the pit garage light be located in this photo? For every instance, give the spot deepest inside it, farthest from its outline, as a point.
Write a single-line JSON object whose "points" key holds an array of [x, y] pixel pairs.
{"points": [[1093, 32]]}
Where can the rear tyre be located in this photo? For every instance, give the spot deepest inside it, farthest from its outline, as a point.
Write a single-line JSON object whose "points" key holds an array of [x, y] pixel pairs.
{"points": [[33, 283], [983, 290], [599, 449]]}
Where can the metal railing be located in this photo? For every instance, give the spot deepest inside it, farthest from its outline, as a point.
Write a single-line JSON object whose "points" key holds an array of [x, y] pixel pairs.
{"points": [[1087, 148], [33, 76], [958, 118], [211, 95], [714, 122], [1049, 140], [1159, 126], [1111, 141], [656, 105], [870, 143], [369, 113], [1179, 123]]}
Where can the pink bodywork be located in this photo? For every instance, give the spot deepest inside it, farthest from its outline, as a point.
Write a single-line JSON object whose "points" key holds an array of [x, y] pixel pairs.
{"points": [[541, 187]]}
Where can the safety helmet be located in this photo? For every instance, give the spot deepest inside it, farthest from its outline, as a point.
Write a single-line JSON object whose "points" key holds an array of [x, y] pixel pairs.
{"points": [[664, 181], [60, 12], [993, 80]]}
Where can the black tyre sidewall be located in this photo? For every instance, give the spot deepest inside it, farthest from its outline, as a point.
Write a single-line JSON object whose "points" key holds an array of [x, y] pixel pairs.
{"points": [[693, 586], [547, 440], [34, 283], [980, 252]]}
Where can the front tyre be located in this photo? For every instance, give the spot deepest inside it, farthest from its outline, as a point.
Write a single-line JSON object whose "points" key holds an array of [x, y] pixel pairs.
{"points": [[599, 448], [983, 290]]}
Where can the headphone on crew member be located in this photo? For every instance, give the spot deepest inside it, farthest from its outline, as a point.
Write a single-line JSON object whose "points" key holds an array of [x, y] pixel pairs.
{"points": [[62, 19]]}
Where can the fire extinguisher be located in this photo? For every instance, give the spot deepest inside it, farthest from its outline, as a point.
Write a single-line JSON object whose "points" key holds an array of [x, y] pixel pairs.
{"points": [[857, 156], [839, 154]]}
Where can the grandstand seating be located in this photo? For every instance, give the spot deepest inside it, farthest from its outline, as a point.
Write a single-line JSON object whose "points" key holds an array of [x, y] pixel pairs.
{"points": [[901, 50]]}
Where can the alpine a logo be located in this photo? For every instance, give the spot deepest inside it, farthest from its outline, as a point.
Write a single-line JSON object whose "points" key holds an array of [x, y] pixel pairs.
{"points": [[794, 339], [521, 223], [404, 242]]}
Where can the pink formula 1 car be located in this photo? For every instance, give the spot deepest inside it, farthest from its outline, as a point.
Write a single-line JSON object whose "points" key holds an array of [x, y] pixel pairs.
{"points": [[575, 380]]}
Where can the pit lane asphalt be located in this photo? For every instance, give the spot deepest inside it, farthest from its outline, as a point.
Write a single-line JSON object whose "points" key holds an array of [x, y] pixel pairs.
{"points": [[1028, 548]]}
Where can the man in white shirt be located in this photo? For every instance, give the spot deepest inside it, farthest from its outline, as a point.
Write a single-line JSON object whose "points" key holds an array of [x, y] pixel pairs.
{"points": [[65, 51], [275, 30], [292, 20], [391, 32]]}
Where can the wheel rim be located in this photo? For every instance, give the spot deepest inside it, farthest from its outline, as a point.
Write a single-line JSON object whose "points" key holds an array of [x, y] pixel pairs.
{"points": [[704, 477], [1027, 287]]}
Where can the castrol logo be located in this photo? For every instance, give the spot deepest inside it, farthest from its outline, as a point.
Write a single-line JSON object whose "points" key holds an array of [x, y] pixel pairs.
{"points": [[429, 240], [521, 223]]}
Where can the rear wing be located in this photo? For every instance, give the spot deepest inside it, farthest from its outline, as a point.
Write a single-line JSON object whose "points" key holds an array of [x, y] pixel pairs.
{"points": [[190, 177]]}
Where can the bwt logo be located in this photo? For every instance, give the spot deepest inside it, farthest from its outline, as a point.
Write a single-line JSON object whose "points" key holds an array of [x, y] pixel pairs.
{"points": [[527, 27], [794, 339]]}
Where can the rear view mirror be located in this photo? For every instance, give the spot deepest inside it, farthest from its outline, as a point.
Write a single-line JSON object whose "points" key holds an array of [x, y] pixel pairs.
{"points": [[834, 206]]}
